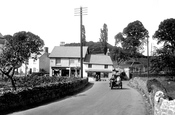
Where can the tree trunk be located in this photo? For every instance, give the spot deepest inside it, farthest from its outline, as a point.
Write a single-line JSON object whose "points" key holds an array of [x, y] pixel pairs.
{"points": [[13, 82], [11, 71]]}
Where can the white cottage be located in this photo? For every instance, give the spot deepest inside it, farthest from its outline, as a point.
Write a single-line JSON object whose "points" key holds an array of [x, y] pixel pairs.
{"points": [[65, 60], [98, 64]]}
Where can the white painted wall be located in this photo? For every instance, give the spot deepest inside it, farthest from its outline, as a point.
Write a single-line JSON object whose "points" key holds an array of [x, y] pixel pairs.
{"points": [[64, 62], [97, 66], [34, 65]]}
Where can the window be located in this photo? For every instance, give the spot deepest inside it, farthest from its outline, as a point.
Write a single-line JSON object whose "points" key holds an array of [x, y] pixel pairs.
{"points": [[106, 66], [34, 69], [34, 61], [89, 65], [58, 61], [71, 61]]}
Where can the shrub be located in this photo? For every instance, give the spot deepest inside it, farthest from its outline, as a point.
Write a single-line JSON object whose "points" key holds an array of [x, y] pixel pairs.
{"points": [[151, 84], [40, 94]]}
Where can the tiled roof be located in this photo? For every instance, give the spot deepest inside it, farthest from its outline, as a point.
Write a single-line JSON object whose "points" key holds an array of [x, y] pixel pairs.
{"points": [[68, 51], [98, 59]]}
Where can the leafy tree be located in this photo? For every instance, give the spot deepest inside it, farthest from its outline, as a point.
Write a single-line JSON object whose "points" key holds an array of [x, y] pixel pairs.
{"points": [[133, 37], [165, 55], [118, 38], [17, 50], [166, 34], [119, 55], [83, 36], [163, 61], [94, 47], [104, 38]]}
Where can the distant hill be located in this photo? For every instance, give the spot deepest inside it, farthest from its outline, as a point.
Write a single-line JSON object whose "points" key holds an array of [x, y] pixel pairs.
{"points": [[94, 47]]}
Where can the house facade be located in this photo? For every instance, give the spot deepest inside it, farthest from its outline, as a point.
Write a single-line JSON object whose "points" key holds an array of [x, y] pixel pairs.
{"points": [[42, 63], [101, 65], [65, 60]]}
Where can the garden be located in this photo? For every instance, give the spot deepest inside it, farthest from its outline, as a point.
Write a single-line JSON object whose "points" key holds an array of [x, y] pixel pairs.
{"points": [[36, 90]]}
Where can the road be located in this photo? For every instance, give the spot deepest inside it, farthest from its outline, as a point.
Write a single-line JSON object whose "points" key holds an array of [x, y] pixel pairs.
{"points": [[98, 99]]}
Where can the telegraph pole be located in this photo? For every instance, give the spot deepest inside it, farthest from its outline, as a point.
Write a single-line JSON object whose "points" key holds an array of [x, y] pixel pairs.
{"points": [[148, 57], [79, 12]]}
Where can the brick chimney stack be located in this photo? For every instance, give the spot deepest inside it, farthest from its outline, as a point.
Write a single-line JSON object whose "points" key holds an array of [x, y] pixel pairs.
{"points": [[46, 50], [62, 43]]}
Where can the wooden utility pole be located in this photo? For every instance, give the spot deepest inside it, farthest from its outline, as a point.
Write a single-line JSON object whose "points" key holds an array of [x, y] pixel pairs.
{"points": [[79, 12], [148, 57]]}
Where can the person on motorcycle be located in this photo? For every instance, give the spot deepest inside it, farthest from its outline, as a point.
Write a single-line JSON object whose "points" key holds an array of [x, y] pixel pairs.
{"points": [[115, 77]]}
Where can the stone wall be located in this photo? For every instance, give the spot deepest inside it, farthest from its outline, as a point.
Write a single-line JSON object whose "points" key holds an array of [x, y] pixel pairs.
{"points": [[162, 105], [155, 97]]}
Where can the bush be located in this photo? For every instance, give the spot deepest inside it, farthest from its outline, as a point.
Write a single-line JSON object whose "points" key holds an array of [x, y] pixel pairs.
{"points": [[151, 84], [41, 93]]}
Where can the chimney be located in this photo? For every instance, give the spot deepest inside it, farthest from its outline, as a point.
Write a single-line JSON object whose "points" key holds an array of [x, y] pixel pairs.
{"points": [[108, 52], [46, 49], [62, 43]]}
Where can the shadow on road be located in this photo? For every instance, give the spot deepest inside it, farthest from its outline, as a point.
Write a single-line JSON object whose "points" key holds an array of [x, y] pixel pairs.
{"points": [[90, 85], [115, 88]]}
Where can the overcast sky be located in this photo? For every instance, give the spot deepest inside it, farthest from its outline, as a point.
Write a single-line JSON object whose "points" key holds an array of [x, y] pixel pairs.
{"points": [[54, 20]]}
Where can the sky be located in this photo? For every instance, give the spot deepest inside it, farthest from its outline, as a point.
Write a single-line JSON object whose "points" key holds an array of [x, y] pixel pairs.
{"points": [[54, 20]]}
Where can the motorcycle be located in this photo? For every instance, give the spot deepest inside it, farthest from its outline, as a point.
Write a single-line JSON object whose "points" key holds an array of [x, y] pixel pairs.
{"points": [[116, 82]]}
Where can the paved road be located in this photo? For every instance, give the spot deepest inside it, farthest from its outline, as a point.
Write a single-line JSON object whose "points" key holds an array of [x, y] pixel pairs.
{"points": [[97, 100]]}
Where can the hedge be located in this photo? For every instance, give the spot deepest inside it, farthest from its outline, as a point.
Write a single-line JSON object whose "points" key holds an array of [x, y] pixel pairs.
{"points": [[40, 94]]}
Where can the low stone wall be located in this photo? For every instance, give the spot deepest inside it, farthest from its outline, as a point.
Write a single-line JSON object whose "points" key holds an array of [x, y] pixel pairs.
{"points": [[155, 96], [163, 106]]}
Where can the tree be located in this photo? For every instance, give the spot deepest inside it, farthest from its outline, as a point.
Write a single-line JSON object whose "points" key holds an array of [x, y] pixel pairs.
{"points": [[104, 38], [119, 55], [94, 47], [163, 61], [118, 38], [83, 36], [166, 34], [17, 50], [165, 55], [133, 37]]}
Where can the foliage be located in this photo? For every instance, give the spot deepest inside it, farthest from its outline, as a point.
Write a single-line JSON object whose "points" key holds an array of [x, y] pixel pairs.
{"points": [[17, 50], [166, 33], [40, 94], [94, 47], [104, 38], [83, 36], [119, 55], [118, 38], [133, 37], [165, 56], [163, 61], [156, 83]]}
